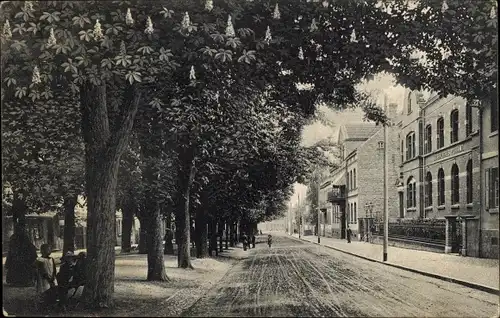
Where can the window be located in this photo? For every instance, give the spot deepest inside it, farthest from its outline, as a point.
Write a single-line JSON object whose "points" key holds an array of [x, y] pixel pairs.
{"points": [[354, 180], [410, 146], [454, 126], [350, 180], [355, 219], [494, 112], [402, 151], [455, 185], [411, 193], [468, 119], [469, 181], [440, 133], [428, 139], [441, 187], [409, 103], [492, 188], [428, 189]]}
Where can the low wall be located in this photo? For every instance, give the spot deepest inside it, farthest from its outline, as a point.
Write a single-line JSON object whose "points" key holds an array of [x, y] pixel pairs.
{"points": [[414, 245]]}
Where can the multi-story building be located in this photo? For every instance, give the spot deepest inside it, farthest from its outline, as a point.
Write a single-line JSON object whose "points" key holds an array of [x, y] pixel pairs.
{"points": [[362, 166], [488, 218], [441, 169]]}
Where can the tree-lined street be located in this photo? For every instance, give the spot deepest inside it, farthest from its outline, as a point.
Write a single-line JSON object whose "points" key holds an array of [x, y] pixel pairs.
{"points": [[300, 279]]}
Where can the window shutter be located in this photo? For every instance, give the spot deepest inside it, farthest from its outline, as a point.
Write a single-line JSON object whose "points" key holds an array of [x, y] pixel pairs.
{"points": [[487, 186]]}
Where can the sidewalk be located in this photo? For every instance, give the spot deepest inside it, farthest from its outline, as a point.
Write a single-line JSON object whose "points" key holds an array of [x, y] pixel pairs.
{"points": [[474, 272]]}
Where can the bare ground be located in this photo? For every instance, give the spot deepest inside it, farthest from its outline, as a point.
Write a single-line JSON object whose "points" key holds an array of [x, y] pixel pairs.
{"points": [[297, 279], [134, 296]]}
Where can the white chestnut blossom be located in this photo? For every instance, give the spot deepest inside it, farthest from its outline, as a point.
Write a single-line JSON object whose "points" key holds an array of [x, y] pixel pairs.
{"points": [[123, 49], [493, 12], [353, 36], [268, 36], [192, 75], [149, 26], [186, 22], [28, 6], [209, 5], [313, 26], [325, 4], [128, 18], [7, 33], [276, 14], [97, 30], [301, 54], [36, 79], [444, 7], [52, 39], [230, 28]]}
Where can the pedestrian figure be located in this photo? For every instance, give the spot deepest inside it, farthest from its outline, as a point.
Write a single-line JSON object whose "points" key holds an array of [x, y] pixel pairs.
{"points": [[245, 241], [349, 233], [269, 240], [20, 258], [260, 232], [253, 241], [372, 231], [45, 276]]}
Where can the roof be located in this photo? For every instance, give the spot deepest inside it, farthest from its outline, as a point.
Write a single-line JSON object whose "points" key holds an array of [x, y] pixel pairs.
{"points": [[360, 131]]}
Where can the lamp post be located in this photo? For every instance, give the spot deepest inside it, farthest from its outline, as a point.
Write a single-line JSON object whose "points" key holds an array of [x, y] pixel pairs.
{"points": [[386, 185]]}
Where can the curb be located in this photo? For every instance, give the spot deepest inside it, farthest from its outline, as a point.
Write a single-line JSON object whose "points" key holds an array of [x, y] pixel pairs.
{"points": [[480, 287]]}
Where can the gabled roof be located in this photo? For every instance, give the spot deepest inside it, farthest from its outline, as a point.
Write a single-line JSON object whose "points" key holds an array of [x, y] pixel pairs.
{"points": [[357, 131]]}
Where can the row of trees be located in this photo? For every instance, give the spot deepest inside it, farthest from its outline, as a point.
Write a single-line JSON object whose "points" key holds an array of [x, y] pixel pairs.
{"points": [[194, 109]]}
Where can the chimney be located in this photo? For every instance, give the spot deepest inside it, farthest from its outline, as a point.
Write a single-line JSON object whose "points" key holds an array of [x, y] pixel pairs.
{"points": [[392, 112]]}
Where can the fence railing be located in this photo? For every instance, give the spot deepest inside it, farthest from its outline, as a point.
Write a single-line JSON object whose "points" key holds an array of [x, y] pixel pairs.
{"points": [[423, 231]]}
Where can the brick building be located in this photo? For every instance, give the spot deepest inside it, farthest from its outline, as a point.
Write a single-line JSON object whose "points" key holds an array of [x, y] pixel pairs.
{"points": [[440, 171], [361, 167], [488, 219]]}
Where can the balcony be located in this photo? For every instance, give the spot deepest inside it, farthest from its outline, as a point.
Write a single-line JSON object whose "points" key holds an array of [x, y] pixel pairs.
{"points": [[337, 194]]}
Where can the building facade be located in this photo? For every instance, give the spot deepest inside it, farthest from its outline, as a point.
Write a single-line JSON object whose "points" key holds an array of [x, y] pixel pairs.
{"points": [[442, 168], [488, 219]]}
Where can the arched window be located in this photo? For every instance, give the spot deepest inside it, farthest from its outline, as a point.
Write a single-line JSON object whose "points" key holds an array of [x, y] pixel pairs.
{"points": [[454, 126], [402, 151], [411, 193], [441, 186], [410, 145], [428, 139], [354, 179], [440, 133], [409, 103], [469, 181], [455, 184], [355, 219], [428, 189]]}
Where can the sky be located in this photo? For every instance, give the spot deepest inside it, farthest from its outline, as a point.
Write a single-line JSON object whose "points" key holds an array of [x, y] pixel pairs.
{"points": [[380, 85]]}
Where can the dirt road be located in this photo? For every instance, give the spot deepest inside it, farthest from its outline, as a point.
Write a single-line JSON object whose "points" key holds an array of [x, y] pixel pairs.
{"points": [[300, 279]]}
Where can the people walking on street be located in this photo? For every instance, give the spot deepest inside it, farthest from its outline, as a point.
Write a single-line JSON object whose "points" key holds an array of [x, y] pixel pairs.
{"points": [[253, 241], [372, 231], [349, 234], [269, 240], [245, 241]]}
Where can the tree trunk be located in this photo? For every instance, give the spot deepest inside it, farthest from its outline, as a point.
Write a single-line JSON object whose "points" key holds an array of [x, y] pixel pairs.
{"points": [[232, 234], [213, 238], [143, 233], [227, 234], [201, 233], [184, 218], [127, 223], [221, 231], [156, 265], [103, 149], [69, 223], [169, 234]]}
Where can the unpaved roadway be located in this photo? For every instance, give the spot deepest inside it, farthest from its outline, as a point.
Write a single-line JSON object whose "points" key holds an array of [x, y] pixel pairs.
{"points": [[301, 279]]}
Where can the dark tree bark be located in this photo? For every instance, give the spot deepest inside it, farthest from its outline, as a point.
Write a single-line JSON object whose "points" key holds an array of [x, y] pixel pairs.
{"points": [[143, 233], [227, 234], [232, 234], [213, 238], [156, 265], [69, 223], [186, 178], [103, 149], [201, 233], [127, 223], [169, 234], [220, 231]]}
